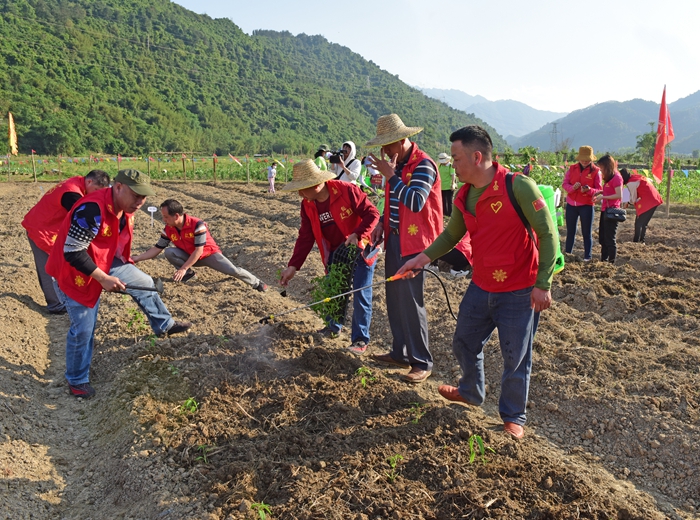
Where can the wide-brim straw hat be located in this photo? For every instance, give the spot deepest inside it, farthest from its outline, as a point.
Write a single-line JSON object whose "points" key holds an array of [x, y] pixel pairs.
{"points": [[443, 158], [305, 174], [391, 129], [585, 153]]}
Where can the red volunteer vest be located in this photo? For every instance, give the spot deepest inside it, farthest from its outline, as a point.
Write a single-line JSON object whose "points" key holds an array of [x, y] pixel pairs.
{"points": [[107, 244], [417, 230], [505, 258], [586, 179], [43, 221], [647, 194], [343, 216], [184, 238]]}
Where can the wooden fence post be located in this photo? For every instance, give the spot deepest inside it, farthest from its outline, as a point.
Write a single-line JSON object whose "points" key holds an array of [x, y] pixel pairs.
{"points": [[213, 159], [184, 168]]}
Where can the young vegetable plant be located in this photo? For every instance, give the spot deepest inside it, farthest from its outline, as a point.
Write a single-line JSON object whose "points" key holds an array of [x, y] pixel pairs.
{"points": [[418, 411], [137, 323], [262, 509], [393, 463], [476, 439], [335, 282], [365, 375], [204, 450], [189, 406]]}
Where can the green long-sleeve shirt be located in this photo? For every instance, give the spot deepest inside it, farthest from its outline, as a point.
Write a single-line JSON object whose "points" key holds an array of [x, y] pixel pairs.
{"points": [[526, 192]]}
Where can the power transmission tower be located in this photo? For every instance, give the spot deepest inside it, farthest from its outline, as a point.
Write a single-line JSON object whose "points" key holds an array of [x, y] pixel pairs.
{"points": [[554, 138]]}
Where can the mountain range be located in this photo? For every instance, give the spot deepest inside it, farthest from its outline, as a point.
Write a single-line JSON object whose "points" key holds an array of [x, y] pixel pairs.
{"points": [[141, 76], [510, 118]]}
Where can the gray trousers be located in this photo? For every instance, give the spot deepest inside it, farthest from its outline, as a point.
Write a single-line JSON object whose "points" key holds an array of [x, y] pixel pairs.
{"points": [[53, 304], [217, 261], [408, 318]]}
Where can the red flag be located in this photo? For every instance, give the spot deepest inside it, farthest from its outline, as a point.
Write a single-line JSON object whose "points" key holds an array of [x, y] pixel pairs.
{"points": [[33, 151], [664, 135]]}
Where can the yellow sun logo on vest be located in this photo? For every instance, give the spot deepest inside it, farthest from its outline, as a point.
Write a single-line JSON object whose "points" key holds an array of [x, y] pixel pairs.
{"points": [[500, 275], [106, 231], [412, 230], [79, 281]]}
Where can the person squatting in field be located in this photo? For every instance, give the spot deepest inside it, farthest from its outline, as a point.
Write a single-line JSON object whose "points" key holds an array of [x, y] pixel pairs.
{"points": [[194, 247], [92, 253], [412, 220], [511, 277], [44, 219], [335, 213]]}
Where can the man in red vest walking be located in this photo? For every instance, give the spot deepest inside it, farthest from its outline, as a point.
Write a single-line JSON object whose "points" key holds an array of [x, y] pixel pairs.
{"points": [[412, 220], [92, 253], [44, 219], [194, 247], [335, 213], [511, 277]]}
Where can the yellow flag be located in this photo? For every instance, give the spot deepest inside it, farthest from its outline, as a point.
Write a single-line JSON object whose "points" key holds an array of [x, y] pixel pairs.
{"points": [[12, 134]]}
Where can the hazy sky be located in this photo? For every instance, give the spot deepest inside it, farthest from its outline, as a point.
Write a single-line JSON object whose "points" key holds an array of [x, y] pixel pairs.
{"points": [[550, 54]]}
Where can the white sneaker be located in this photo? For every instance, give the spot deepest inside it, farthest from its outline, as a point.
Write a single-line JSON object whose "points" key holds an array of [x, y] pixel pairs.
{"points": [[433, 268], [459, 274]]}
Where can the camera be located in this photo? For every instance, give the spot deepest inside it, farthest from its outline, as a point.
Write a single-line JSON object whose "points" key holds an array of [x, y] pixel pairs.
{"points": [[337, 157]]}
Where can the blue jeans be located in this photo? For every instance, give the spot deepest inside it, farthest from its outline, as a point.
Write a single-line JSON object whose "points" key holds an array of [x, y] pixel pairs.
{"points": [[585, 213], [479, 314], [80, 340], [361, 303]]}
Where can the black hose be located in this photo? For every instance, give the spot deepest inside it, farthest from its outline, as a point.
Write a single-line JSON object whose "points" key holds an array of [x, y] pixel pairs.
{"points": [[444, 289]]}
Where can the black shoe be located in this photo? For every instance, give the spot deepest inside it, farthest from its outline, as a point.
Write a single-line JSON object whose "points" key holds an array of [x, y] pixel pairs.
{"points": [[260, 286], [58, 311], [177, 328], [188, 275], [83, 390]]}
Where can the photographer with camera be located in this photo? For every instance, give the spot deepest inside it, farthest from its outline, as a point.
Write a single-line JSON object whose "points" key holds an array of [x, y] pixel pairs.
{"points": [[344, 163]]}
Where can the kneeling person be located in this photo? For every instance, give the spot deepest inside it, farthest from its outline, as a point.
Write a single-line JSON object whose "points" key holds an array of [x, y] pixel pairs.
{"points": [[194, 247]]}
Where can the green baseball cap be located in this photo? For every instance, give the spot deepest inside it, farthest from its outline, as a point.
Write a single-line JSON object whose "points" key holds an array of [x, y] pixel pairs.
{"points": [[139, 182]]}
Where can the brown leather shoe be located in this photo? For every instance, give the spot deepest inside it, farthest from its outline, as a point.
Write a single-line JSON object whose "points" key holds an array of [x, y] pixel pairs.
{"points": [[416, 375], [388, 360], [452, 394], [515, 430]]}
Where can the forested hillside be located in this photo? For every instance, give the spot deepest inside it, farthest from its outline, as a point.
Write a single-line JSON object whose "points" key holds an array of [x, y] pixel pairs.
{"points": [[136, 76]]}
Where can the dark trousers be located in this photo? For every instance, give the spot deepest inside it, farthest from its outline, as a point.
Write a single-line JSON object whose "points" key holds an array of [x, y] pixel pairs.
{"points": [[405, 308], [447, 196], [53, 304], [585, 213], [455, 258], [607, 237], [641, 223]]}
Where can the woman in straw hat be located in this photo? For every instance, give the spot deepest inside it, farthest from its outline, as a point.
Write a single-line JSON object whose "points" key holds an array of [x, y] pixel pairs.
{"points": [[582, 183], [335, 213], [412, 221]]}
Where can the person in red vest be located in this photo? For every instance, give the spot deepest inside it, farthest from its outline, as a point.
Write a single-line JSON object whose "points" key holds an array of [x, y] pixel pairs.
{"points": [[645, 198], [92, 253], [412, 220], [511, 277], [194, 247], [582, 182], [335, 213], [44, 219]]}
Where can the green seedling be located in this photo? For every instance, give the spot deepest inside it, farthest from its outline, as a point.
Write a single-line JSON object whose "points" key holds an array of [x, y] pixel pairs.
{"points": [[365, 375], [152, 338], [137, 323], [204, 450], [174, 370], [335, 282], [418, 411], [189, 406], [393, 463], [262, 509], [476, 439]]}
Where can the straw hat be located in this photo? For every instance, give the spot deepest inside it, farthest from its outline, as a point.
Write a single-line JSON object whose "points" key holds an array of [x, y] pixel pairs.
{"points": [[391, 129], [443, 158], [585, 153], [305, 174]]}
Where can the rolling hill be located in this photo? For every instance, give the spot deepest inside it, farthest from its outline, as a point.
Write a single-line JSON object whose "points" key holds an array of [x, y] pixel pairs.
{"points": [[134, 76]]}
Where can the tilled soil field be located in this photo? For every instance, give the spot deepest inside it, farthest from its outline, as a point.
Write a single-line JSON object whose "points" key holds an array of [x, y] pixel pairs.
{"points": [[288, 425]]}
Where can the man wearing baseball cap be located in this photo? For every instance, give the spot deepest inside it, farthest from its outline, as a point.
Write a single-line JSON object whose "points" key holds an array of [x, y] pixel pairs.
{"points": [[92, 253], [412, 221]]}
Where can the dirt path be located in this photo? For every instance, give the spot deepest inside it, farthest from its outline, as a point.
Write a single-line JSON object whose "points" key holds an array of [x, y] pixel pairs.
{"points": [[283, 420]]}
